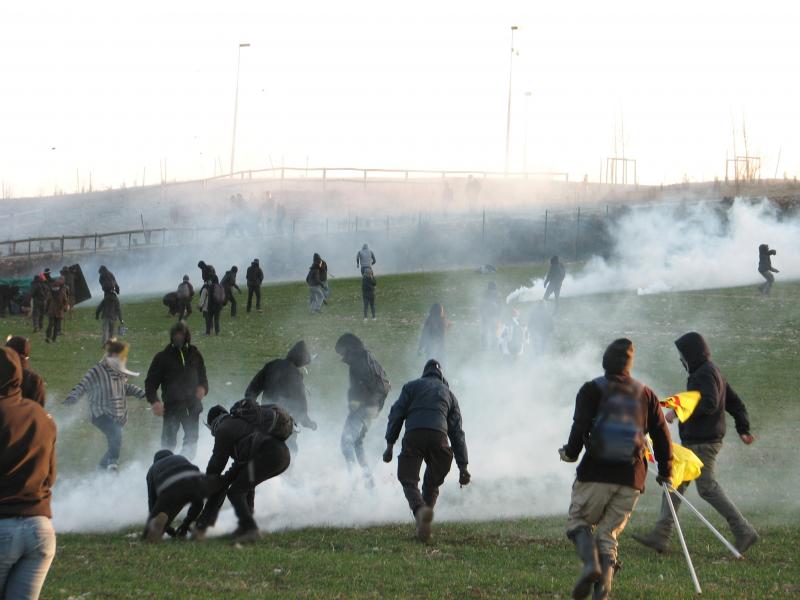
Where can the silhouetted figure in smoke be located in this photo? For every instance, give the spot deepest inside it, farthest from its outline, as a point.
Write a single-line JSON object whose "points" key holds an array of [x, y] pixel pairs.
{"points": [[111, 311], [228, 284], [56, 307], [765, 268], [183, 296], [514, 337], [431, 415], [316, 292], [368, 284], [255, 278], [490, 308], [39, 293], [432, 340], [554, 279], [366, 395], [212, 300], [108, 283], [207, 272]]}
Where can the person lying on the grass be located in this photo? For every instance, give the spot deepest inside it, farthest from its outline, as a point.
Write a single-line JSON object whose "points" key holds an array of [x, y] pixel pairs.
{"points": [[107, 386], [172, 483]]}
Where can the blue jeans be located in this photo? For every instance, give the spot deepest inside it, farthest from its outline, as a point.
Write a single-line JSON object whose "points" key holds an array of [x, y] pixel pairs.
{"points": [[27, 547], [113, 432]]}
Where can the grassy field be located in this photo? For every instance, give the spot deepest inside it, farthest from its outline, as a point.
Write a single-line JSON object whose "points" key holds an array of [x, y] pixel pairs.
{"points": [[754, 339]]}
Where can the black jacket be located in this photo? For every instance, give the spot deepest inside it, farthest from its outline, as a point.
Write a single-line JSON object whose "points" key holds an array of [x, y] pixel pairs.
{"points": [[428, 403], [617, 362], [230, 442], [165, 470], [764, 260], [207, 272], [362, 382], [254, 275], [314, 278], [555, 274], [178, 372], [108, 283], [109, 308], [281, 382], [707, 423], [229, 281]]}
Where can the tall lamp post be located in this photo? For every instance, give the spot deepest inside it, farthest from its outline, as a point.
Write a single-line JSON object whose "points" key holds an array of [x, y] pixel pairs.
{"points": [[508, 114], [236, 105]]}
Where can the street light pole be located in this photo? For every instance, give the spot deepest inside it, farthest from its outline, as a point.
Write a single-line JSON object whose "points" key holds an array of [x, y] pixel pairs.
{"points": [[525, 143], [508, 114], [236, 105]]}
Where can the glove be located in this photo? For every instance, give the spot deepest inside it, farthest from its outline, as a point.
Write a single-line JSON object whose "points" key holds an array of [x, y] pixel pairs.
{"points": [[664, 480], [387, 454], [464, 477], [562, 453]]}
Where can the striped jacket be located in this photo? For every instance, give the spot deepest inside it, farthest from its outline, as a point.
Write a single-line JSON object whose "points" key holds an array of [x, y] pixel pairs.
{"points": [[107, 389]]}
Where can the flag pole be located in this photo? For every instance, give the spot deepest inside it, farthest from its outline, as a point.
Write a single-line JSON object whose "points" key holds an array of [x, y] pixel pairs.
{"points": [[681, 538]]}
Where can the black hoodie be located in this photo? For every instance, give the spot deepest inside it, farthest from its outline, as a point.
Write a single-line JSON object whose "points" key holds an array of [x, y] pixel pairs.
{"points": [[362, 380], [706, 425], [178, 372], [281, 382], [764, 260], [428, 403], [617, 364], [108, 283]]}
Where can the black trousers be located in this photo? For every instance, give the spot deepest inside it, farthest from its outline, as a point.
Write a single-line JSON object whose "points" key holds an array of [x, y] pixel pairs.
{"points": [[231, 300], [270, 460], [253, 290], [53, 328], [369, 302], [212, 320], [192, 490], [184, 309], [432, 448], [189, 420]]}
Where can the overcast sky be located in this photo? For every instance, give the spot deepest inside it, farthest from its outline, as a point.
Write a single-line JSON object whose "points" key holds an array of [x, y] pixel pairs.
{"points": [[113, 88]]}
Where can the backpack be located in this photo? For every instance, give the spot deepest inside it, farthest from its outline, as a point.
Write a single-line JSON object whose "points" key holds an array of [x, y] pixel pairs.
{"points": [[268, 419], [217, 294], [616, 437], [379, 383], [184, 291]]}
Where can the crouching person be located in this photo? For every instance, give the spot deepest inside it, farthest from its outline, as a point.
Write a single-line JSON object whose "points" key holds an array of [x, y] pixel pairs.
{"points": [[254, 437], [612, 414], [431, 415], [172, 483]]}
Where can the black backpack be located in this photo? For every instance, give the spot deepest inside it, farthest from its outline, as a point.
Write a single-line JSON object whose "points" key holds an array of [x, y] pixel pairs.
{"points": [[269, 419], [217, 293], [616, 437], [380, 384]]}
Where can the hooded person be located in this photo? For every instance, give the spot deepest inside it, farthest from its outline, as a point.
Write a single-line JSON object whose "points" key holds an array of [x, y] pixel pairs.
{"points": [[368, 284], [106, 385], [183, 299], [180, 372], [256, 457], [280, 382], [366, 395], [765, 268], [33, 386], [554, 279], [430, 413], [27, 475], [207, 272], [108, 283], [56, 307], [39, 293], [702, 433], [432, 339], [255, 278], [172, 483], [612, 414], [365, 258], [212, 300], [316, 290], [228, 284]]}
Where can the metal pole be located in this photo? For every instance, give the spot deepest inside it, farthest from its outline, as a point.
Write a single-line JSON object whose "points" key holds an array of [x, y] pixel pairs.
{"points": [[682, 540], [525, 143], [545, 233], [236, 104], [578, 234], [508, 112]]}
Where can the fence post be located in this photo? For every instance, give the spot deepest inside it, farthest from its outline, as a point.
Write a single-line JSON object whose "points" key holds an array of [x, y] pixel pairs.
{"points": [[578, 234], [29, 248], [356, 223], [545, 233], [62, 247], [483, 227], [163, 237], [95, 243], [130, 235]]}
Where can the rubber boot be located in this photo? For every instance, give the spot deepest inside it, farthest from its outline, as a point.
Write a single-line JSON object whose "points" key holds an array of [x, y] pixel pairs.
{"points": [[602, 588], [424, 516], [587, 552]]}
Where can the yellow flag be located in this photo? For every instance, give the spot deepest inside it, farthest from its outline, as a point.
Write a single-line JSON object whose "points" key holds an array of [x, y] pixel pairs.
{"points": [[683, 404], [685, 464]]}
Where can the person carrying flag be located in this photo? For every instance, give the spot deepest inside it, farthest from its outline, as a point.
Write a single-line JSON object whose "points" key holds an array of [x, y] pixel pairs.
{"points": [[702, 431]]}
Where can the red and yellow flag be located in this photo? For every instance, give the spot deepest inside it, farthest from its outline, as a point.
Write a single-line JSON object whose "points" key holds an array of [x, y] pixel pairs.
{"points": [[686, 466], [683, 404]]}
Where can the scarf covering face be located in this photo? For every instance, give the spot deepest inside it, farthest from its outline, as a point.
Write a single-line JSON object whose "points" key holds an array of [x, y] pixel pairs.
{"points": [[118, 363]]}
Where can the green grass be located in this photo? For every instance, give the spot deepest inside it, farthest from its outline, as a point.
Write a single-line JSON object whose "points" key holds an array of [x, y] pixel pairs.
{"points": [[755, 340]]}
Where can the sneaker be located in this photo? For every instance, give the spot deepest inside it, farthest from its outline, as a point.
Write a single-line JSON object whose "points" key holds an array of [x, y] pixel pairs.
{"points": [[198, 533], [247, 536], [374, 318], [653, 542], [744, 542], [112, 468], [424, 517], [155, 528]]}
